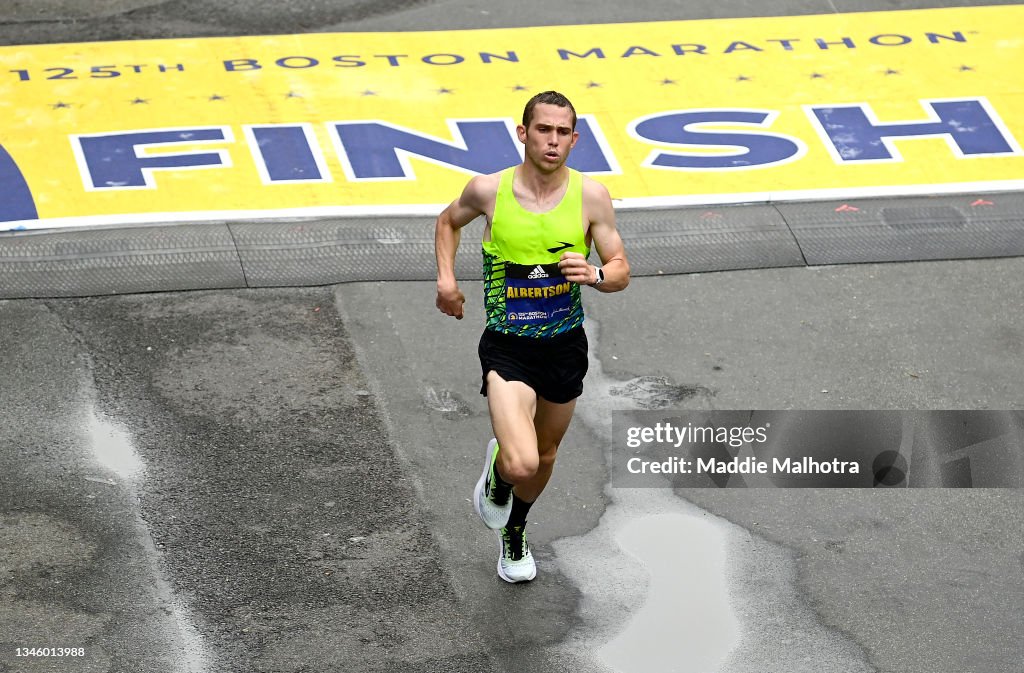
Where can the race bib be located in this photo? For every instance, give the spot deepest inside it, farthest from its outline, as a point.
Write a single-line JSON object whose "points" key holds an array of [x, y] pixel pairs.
{"points": [[536, 294]]}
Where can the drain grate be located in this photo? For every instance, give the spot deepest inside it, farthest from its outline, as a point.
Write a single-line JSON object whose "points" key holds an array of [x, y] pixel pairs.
{"points": [[923, 218]]}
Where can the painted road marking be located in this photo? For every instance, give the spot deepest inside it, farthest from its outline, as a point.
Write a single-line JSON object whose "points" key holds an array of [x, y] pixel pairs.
{"points": [[672, 113]]}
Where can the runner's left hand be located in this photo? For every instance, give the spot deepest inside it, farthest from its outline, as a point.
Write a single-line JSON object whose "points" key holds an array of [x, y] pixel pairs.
{"points": [[575, 267]]}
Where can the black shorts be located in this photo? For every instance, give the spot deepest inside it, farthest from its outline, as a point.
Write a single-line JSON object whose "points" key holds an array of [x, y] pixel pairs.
{"points": [[553, 366]]}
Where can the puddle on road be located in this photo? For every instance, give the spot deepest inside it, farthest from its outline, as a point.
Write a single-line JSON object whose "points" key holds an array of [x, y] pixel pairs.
{"points": [[655, 562], [113, 450], [112, 447], [687, 604], [656, 594]]}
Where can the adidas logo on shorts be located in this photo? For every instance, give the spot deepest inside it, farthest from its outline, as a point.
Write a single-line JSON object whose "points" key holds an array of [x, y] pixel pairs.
{"points": [[538, 272]]}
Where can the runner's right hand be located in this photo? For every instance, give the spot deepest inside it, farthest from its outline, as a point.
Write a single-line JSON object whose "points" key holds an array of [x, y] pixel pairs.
{"points": [[450, 300]]}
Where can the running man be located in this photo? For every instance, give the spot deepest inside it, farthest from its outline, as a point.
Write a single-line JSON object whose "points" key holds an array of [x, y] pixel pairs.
{"points": [[541, 219]]}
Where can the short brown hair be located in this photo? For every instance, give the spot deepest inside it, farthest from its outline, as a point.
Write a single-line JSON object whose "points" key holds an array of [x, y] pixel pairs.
{"points": [[548, 98]]}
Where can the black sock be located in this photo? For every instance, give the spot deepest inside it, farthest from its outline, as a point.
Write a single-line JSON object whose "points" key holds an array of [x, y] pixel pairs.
{"points": [[520, 508], [500, 489]]}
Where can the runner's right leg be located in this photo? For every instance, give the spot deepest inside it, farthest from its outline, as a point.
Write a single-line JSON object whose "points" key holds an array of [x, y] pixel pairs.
{"points": [[513, 405]]}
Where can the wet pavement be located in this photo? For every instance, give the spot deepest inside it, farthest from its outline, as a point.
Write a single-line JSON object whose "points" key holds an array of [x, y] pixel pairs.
{"points": [[228, 442], [279, 479], [842, 580]]}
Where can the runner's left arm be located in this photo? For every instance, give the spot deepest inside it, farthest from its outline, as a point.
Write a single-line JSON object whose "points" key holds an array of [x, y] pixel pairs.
{"points": [[597, 205]]}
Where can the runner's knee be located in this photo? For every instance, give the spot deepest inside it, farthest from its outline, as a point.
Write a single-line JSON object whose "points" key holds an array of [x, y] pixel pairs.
{"points": [[546, 464], [515, 467], [547, 456]]}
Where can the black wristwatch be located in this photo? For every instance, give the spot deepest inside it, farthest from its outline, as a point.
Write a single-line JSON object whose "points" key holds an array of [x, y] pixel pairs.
{"points": [[600, 277]]}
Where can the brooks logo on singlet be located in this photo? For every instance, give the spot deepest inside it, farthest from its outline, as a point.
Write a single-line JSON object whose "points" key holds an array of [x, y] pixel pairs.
{"points": [[525, 292]]}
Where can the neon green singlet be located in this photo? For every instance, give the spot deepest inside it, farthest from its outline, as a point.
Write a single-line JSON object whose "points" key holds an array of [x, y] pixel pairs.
{"points": [[525, 293]]}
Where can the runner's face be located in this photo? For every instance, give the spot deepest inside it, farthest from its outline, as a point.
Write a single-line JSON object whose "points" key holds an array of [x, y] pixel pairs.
{"points": [[550, 136]]}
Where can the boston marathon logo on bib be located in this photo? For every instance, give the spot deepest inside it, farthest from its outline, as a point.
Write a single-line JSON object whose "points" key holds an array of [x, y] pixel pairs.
{"points": [[537, 293]]}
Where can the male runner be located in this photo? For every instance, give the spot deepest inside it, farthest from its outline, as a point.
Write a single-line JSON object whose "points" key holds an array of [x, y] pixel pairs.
{"points": [[541, 220]]}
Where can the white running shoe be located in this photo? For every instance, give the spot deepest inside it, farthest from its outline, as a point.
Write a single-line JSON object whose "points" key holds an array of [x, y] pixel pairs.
{"points": [[493, 513], [515, 562]]}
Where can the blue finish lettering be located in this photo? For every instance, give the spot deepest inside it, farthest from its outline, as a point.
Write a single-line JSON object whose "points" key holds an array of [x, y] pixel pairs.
{"points": [[967, 124], [285, 153], [113, 161], [16, 202], [749, 150], [379, 151], [587, 155]]}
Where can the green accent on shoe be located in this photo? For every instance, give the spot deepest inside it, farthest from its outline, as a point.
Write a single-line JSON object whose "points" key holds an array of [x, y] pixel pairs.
{"points": [[496, 490], [492, 514], [516, 546], [515, 560]]}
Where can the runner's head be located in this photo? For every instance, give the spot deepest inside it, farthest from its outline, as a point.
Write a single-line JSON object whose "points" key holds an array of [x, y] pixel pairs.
{"points": [[549, 98]]}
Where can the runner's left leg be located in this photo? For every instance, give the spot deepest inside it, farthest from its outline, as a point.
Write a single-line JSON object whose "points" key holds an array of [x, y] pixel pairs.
{"points": [[550, 423]]}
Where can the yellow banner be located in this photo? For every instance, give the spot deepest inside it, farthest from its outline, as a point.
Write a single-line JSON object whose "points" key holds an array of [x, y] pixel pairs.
{"points": [[671, 113]]}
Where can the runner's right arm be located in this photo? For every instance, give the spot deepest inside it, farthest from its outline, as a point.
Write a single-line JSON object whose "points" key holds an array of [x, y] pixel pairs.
{"points": [[448, 231]]}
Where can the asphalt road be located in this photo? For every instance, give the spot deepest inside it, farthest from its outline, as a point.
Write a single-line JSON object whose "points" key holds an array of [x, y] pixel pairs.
{"points": [[278, 480]]}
